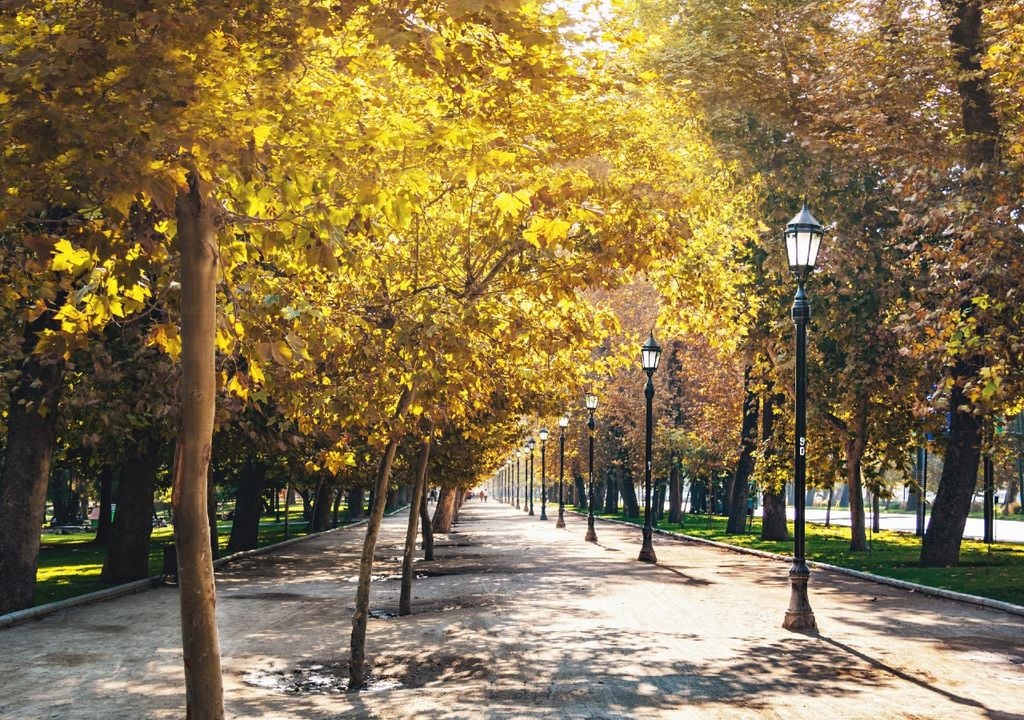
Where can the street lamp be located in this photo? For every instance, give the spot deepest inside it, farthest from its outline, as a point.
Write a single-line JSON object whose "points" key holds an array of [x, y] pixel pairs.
{"points": [[519, 454], [563, 423], [590, 402], [543, 475], [803, 238], [530, 445], [650, 355]]}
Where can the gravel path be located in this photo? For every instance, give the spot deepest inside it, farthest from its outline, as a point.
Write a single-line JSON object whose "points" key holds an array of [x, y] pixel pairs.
{"points": [[516, 619]]}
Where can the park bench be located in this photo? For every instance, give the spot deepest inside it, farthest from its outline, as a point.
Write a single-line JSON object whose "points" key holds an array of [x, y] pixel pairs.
{"points": [[68, 529]]}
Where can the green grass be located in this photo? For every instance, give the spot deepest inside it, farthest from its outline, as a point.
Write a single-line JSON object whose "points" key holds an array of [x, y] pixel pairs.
{"points": [[995, 572], [70, 565]]}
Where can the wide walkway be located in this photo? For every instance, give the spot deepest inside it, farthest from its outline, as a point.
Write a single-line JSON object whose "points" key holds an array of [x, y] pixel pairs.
{"points": [[516, 619]]}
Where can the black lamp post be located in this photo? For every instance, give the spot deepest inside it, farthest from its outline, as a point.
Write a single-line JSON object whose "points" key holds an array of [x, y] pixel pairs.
{"points": [[530, 445], [650, 354], [543, 474], [590, 402], [519, 454], [803, 237], [563, 423]]}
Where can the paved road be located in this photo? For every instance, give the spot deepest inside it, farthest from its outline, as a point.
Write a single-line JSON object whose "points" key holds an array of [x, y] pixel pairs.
{"points": [[516, 619]]}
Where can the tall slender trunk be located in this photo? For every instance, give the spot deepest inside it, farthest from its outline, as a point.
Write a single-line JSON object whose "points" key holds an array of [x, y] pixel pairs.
{"points": [[354, 511], [357, 655], [856, 442], [460, 497], [245, 528], [629, 499], [418, 491], [581, 491], [444, 512], [428, 531], [773, 501], [106, 483], [611, 494], [745, 465], [321, 517], [197, 245], [127, 556], [336, 509], [31, 434], [675, 494], [941, 545]]}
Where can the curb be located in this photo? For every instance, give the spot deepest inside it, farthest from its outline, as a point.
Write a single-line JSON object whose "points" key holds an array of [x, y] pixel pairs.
{"points": [[40, 611], [860, 574]]}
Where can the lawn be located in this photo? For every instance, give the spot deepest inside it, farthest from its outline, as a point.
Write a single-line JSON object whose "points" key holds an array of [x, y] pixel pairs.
{"points": [[995, 571], [70, 565]]}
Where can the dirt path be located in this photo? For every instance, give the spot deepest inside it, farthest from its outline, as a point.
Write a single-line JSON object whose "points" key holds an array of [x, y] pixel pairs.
{"points": [[516, 619]]}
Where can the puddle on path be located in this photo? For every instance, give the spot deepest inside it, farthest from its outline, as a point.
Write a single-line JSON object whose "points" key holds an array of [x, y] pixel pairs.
{"points": [[315, 679]]}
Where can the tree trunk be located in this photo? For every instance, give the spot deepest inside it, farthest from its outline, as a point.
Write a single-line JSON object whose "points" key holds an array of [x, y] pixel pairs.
{"points": [[460, 497], [773, 501], [127, 557], [581, 492], [428, 531], [444, 512], [773, 516], [58, 488], [1013, 487], [698, 496], [941, 545], [875, 526], [611, 493], [354, 511], [336, 509], [745, 465], [629, 498], [393, 500], [211, 517], [31, 434], [106, 483], [357, 655], [197, 245], [855, 444], [828, 510], [675, 495], [418, 491], [659, 502], [321, 518], [245, 528]]}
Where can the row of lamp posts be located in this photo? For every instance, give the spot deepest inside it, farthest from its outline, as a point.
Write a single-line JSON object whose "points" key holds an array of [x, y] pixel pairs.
{"points": [[803, 236]]}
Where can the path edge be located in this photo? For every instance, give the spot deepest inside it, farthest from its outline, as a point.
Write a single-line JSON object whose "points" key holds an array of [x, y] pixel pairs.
{"points": [[38, 612]]}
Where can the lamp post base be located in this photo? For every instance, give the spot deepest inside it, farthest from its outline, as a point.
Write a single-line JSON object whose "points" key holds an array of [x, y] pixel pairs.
{"points": [[591, 533], [647, 549], [799, 616], [560, 523]]}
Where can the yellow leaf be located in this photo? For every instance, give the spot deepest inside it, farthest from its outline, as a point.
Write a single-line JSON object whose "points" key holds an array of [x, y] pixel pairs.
{"points": [[260, 133], [281, 353]]}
